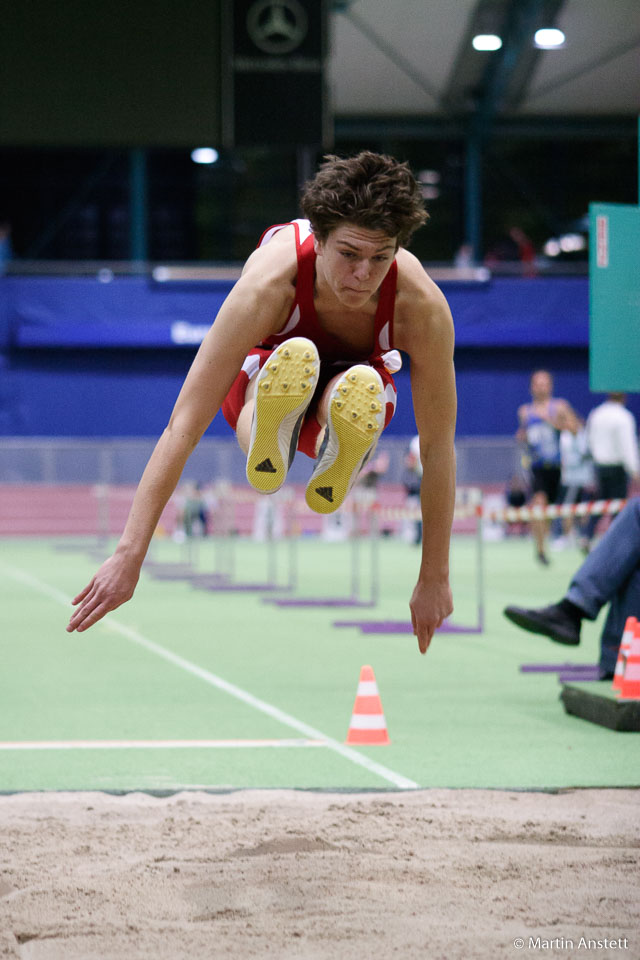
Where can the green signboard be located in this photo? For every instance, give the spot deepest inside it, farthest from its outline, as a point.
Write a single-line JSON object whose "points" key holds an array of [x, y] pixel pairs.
{"points": [[614, 298]]}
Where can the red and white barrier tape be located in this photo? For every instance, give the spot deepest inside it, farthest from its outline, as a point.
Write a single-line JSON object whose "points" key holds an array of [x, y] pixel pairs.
{"points": [[596, 508], [502, 515]]}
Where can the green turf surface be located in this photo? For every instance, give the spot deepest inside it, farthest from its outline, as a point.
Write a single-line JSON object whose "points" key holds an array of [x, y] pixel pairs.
{"points": [[183, 664]]}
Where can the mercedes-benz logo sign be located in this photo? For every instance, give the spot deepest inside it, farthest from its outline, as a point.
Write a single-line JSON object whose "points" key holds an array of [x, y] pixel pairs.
{"points": [[277, 27]]}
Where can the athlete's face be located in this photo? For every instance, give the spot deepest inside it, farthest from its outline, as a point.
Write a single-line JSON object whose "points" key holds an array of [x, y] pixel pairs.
{"points": [[354, 261], [541, 385]]}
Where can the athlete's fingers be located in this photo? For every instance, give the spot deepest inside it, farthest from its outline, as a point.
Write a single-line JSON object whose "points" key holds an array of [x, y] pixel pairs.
{"points": [[80, 615], [84, 593], [98, 613], [84, 610], [424, 639]]}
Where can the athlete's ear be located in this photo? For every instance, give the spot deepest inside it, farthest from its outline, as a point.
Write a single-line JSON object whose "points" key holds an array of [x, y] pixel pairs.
{"points": [[317, 245]]}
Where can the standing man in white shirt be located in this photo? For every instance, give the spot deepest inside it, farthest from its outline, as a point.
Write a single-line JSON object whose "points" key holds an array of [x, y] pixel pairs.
{"points": [[613, 441]]}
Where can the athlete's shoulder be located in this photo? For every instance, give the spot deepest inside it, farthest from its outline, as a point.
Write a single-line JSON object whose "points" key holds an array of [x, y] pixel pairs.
{"points": [[275, 259], [298, 229], [422, 315], [415, 286], [421, 306]]}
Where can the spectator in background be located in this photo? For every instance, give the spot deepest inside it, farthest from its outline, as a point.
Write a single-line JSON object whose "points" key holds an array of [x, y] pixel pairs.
{"points": [[513, 247], [613, 442], [367, 490], [6, 251], [372, 473], [577, 477], [610, 574], [516, 495], [464, 257], [411, 480], [526, 251], [194, 511], [539, 435]]}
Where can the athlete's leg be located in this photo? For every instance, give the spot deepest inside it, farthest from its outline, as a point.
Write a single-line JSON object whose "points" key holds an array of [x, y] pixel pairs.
{"points": [[322, 410], [245, 417], [540, 527]]}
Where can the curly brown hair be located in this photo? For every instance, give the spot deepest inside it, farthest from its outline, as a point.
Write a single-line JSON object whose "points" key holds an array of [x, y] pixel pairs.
{"points": [[371, 190]]}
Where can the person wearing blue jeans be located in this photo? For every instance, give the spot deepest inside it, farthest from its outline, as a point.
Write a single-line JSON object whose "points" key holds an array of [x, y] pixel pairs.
{"points": [[610, 574]]}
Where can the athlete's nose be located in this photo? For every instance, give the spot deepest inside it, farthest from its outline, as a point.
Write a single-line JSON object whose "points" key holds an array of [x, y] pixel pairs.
{"points": [[361, 271]]}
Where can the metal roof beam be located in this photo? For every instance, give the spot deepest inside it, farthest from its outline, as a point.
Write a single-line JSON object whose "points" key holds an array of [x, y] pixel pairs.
{"points": [[484, 84], [523, 18]]}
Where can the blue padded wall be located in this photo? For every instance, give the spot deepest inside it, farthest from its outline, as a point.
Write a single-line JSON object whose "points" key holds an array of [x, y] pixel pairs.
{"points": [[84, 358]]}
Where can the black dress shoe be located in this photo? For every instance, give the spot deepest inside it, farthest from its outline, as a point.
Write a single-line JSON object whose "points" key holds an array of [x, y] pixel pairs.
{"points": [[552, 622]]}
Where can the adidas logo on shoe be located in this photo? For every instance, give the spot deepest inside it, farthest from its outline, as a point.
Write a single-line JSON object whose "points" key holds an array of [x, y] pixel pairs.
{"points": [[265, 467], [326, 493]]}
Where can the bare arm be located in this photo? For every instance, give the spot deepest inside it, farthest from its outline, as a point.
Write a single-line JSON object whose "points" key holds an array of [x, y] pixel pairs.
{"points": [[429, 339], [521, 432], [252, 311]]}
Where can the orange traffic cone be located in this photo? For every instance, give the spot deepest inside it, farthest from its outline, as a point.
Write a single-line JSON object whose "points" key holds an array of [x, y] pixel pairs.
{"points": [[625, 645], [630, 689], [368, 725]]}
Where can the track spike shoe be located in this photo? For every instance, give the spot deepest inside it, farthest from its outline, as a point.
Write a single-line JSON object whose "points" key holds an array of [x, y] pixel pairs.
{"points": [[284, 388], [355, 422]]}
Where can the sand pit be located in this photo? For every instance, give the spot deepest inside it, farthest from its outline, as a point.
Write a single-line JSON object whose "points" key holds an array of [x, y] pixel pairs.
{"points": [[429, 874]]}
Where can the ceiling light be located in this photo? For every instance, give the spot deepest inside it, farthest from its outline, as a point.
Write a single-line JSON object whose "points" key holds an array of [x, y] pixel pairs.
{"points": [[486, 41], [549, 38], [204, 155]]}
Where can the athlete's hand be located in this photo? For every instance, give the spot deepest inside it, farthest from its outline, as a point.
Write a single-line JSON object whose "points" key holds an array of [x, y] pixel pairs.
{"points": [[112, 586], [430, 603]]}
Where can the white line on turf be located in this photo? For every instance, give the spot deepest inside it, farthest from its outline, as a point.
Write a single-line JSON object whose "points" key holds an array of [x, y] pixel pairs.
{"points": [[152, 744], [397, 779]]}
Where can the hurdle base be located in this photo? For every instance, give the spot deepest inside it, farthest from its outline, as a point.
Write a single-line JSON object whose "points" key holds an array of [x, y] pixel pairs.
{"points": [[567, 672], [208, 581], [558, 667], [89, 543], [601, 706], [318, 602], [402, 626], [223, 584], [168, 571]]}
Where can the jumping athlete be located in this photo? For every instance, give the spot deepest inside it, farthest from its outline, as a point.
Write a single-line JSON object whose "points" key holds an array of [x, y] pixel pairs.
{"points": [[329, 301]]}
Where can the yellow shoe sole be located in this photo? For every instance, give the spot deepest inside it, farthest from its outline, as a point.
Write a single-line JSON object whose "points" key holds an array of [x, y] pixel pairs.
{"points": [[284, 390], [356, 419]]}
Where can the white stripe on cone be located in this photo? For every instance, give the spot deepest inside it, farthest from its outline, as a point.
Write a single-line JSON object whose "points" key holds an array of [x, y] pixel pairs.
{"points": [[368, 721]]}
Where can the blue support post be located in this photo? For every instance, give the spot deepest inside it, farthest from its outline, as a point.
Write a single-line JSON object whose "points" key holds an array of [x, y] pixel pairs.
{"points": [[473, 192], [139, 235]]}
